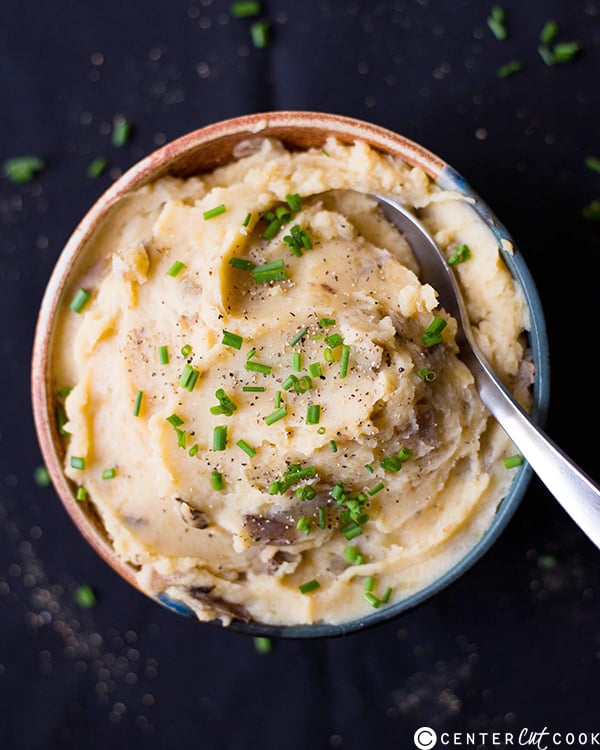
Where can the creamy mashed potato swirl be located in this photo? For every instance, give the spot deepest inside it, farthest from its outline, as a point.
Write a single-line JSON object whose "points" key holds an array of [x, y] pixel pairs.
{"points": [[253, 413]]}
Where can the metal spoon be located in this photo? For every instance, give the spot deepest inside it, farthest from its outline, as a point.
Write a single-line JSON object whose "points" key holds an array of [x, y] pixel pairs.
{"points": [[573, 489]]}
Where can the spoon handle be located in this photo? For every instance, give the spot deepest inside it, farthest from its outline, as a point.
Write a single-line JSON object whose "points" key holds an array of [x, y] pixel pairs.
{"points": [[574, 490]]}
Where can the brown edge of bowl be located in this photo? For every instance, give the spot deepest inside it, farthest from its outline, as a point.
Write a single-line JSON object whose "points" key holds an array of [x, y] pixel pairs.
{"points": [[199, 151]]}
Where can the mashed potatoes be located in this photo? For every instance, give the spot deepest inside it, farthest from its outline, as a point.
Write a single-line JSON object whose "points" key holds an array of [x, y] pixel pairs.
{"points": [[259, 412]]}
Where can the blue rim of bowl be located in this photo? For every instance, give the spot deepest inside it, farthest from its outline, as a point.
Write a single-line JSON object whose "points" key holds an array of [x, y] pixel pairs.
{"points": [[449, 179]]}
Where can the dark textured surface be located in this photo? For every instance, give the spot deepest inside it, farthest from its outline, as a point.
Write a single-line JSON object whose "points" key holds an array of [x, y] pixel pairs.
{"points": [[513, 644]]}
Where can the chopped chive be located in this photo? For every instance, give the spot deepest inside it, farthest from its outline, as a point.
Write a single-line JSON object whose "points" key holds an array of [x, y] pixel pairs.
{"points": [[163, 355], [189, 378], [293, 475], [216, 211], [391, 464], [321, 431], [273, 227], [513, 461], [85, 597], [41, 476], [78, 462], [352, 555], [109, 473], [175, 420], [369, 468], [258, 367], [274, 271], [299, 337], [247, 220], [254, 388], [376, 489], [315, 370], [216, 479], [22, 168], [245, 9], [186, 350], [546, 562], [294, 201], [283, 214], [548, 32], [232, 339], [313, 414], [372, 599], [298, 240], [565, 51], [176, 268], [259, 32], [306, 588], [503, 72], [337, 491], [303, 384], [226, 405], [593, 163], [138, 403], [369, 583], [81, 494], [496, 24], [303, 525], [193, 450], [352, 531], [333, 446], [546, 54], [328, 355], [334, 340], [290, 381], [386, 596], [306, 493], [278, 399], [181, 438], [560, 53], [428, 375], [460, 255], [344, 361], [322, 517], [251, 353], [276, 415], [248, 449], [121, 132], [326, 322], [80, 300], [220, 438], [404, 454], [245, 265], [64, 392], [96, 167], [591, 212], [262, 645], [433, 333], [61, 420], [297, 361]]}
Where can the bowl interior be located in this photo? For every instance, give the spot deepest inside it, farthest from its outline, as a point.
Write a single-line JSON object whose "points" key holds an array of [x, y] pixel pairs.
{"points": [[202, 151]]}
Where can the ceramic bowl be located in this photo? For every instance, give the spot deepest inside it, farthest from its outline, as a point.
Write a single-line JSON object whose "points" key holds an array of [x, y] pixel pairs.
{"points": [[202, 151]]}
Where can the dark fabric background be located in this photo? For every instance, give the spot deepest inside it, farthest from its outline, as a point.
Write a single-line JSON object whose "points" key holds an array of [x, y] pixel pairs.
{"points": [[515, 643]]}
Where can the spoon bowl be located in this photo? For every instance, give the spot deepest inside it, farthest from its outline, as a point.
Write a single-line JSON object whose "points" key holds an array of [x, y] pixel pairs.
{"points": [[573, 489]]}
